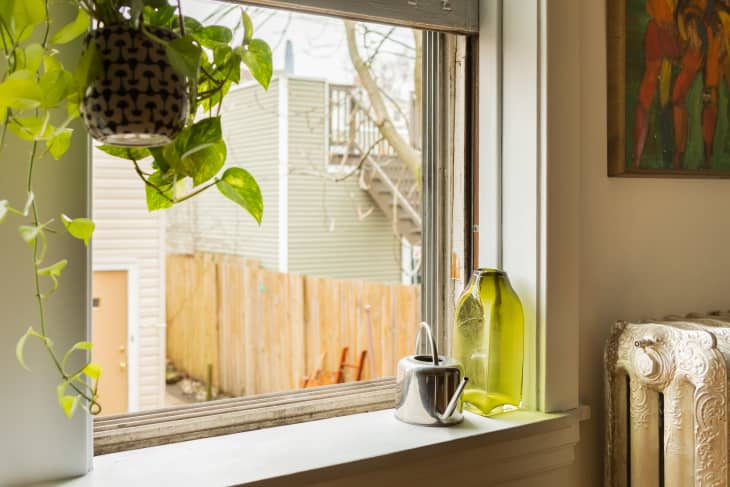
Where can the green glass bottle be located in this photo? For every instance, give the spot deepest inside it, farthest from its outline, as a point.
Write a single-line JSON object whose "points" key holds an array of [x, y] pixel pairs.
{"points": [[489, 334]]}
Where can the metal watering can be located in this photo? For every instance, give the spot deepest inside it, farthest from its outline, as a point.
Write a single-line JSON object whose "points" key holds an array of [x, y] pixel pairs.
{"points": [[429, 387]]}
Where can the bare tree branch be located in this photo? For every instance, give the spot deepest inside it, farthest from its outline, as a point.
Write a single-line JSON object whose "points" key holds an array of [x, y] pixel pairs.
{"points": [[410, 157], [417, 83]]}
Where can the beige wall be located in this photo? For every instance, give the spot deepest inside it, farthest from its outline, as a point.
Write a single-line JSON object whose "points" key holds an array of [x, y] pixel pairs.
{"points": [[648, 247]]}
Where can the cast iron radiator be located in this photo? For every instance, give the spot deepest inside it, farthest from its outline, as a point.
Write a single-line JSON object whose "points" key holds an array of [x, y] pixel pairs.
{"points": [[667, 404]]}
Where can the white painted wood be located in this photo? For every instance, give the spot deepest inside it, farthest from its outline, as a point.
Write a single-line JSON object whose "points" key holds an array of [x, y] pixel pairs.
{"points": [[490, 134], [352, 450], [447, 15], [539, 173], [132, 327], [521, 197], [560, 168]]}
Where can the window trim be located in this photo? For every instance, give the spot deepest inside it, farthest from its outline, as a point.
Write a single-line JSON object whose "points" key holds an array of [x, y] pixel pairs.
{"points": [[169, 425], [532, 177], [455, 16], [131, 431]]}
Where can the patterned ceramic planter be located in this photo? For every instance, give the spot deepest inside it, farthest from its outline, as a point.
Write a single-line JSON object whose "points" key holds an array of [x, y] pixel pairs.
{"points": [[137, 99]]}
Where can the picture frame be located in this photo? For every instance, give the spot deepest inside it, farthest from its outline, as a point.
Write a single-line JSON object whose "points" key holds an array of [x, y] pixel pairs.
{"points": [[668, 88]]}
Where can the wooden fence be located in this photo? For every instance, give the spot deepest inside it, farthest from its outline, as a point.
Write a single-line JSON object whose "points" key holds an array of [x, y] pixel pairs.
{"points": [[264, 331]]}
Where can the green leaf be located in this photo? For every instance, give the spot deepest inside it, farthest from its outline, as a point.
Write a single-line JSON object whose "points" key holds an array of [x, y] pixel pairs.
{"points": [[86, 69], [21, 94], [20, 346], [156, 4], [27, 14], [202, 150], [31, 128], [67, 33], [247, 27], [191, 25], [67, 403], [76, 346], [155, 200], [80, 228], [161, 17], [29, 233], [184, 56], [4, 208], [29, 58], [50, 64], [92, 371], [239, 186], [200, 135], [55, 86], [53, 270], [213, 36], [258, 59], [129, 153], [22, 74], [207, 162], [160, 160], [166, 158], [59, 143]]}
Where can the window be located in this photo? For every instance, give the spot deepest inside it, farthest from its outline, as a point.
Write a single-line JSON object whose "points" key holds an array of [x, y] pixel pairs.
{"points": [[362, 147]]}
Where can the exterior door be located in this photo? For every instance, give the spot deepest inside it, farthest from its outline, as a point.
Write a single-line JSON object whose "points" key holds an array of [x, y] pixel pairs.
{"points": [[109, 337]]}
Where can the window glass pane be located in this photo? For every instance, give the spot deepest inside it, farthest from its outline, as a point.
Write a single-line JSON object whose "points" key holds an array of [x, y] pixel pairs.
{"points": [[199, 302]]}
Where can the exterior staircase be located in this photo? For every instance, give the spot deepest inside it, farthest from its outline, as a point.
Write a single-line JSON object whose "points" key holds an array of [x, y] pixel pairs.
{"points": [[355, 139]]}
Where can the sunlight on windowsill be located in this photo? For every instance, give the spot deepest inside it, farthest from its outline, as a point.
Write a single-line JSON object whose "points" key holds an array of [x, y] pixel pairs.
{"points": [[288, 451]]}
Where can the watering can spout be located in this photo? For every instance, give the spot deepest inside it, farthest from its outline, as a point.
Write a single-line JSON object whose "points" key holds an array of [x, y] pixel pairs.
{"points": [[451, 407]]}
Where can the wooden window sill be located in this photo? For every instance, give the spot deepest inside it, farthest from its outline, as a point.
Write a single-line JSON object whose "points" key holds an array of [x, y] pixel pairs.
{"points": [[373, 447]]}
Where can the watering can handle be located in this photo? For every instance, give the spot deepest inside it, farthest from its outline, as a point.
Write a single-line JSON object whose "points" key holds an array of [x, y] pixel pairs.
{"points": [[434, 351]]}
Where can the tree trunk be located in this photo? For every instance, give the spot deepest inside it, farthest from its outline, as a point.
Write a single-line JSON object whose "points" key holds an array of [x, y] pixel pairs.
{"points": [[410, 156]]}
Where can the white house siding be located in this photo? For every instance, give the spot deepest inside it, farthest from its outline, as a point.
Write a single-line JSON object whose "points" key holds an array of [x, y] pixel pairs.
{"points": [[210, 222], [126, 233], [327, 236]]}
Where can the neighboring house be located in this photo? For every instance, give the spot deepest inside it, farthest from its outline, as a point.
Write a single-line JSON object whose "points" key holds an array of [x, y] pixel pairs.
{"points": [[312, 224], [128, 317]]}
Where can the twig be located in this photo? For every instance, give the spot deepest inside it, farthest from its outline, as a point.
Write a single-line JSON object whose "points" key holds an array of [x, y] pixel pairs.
{"points": [[180, 18]]}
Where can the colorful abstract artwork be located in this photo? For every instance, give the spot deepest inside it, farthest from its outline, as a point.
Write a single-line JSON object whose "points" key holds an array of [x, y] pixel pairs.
{"points": [[669, 88]]}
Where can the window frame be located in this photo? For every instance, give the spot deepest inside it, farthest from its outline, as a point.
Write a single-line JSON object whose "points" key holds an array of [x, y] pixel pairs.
{"points": [[529, 167], [170, 425]]}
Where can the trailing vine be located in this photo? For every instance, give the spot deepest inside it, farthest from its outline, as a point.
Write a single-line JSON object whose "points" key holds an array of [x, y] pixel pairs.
{"points": [[40, 97]]}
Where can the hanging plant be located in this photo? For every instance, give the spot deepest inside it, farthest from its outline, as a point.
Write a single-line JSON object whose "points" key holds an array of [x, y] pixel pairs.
{"points": [[149, 84]]}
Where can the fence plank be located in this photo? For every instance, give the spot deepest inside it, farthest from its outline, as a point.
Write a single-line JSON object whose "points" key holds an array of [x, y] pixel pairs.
{"points": [[264, 331]]}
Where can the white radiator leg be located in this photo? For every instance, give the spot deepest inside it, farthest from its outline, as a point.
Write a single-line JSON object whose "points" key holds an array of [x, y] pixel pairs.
{"points": [[678, 434], [682, 361], [644, 425]]}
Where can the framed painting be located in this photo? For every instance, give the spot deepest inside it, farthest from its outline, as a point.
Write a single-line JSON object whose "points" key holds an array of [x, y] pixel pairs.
{"points": [[668, 88]]}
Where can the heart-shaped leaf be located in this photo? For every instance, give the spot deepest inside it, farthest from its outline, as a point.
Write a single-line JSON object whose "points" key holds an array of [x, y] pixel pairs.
{"points": [[80, 228], [239, 186], [257, 56], [72, 30]]}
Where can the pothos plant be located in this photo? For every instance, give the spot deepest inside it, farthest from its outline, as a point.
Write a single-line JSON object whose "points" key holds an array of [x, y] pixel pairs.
{"points": [[40, 97]]}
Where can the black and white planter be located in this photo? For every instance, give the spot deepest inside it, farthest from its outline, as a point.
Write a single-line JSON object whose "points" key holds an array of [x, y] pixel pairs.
{"points": [[137, 98]]}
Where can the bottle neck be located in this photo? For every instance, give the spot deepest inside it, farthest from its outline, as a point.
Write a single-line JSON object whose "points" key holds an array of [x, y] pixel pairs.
{"points": [[488, 274]]}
